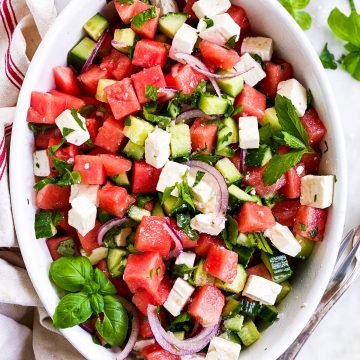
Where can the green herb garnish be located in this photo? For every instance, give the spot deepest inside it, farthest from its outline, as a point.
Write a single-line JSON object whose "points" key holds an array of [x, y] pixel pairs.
{"points": [[139, 20], [295, 9], [328, 59]]}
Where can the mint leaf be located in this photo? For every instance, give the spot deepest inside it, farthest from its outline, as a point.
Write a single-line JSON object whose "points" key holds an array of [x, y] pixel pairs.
{"points": [[151, 92], [198, 178], [53, 149], [167, 193], [75, 115], [209, 22], [139, 20], [183, 222], [42, 183], [328, 59], [351, 63], [292, 142], [67, 131], [231, 42]]}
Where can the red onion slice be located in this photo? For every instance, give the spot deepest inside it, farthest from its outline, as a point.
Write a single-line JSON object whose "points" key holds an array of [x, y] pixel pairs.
{"points": [[175, 346], [191, 114], [178, 244], [169, 91], [93, 54], [104, 228], [243, 153], [117, 44], [223, 189]]}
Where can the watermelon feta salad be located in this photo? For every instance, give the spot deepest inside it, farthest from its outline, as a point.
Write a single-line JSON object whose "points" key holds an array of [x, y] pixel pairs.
{"points": [[176, 166]]}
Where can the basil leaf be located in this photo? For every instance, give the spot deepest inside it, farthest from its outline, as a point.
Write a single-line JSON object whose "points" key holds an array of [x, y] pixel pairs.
{"points": [[185, 194], [151, 92], [139, 20], [198, 178], [53, 149], [182, 269], [40, 128], [167, 193], [142, 199], [87, 110], [70, 178], [75, 115], [183, 222], [279, 165], [303, 19], [209, 22], [291, 141], [328, 59], [162, 121], [66, 131], [42, 183], [231, 42], [96, 303], [115, 324], [66, 248], [61, 166], [230, 233], [71, 274], [106, 286], [125, 2], [351, 63], [207, 158], [300, 4], [73, 309]]}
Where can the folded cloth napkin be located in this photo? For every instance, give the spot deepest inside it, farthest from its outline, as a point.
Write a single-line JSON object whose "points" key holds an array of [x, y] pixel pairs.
{"points": [[26, 328]]}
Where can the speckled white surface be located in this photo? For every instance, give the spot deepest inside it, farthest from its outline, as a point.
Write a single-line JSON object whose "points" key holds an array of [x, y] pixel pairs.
{"points": [[338, 336]]}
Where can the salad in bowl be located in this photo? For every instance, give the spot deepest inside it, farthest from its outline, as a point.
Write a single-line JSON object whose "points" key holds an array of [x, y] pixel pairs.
{"points": [[177, 180]]}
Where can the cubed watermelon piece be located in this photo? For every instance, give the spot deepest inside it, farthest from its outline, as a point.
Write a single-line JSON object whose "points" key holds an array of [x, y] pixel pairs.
{"points": [[42, 138], [205, 242], [188, 9], [285, 212], [239, 15], [89, 79], [152, 235], [65, 80], [121, 287], [118, 64], [122, 98], [314, 127], [311, 162], [144, 177], [54, 242], [292, 187], [151, 76], [149, 53], [253, 218], [259, 270], [145, 329], [70, 100], [310, 222], [156, 352], [187, 79], [45, 108], [125, 11], [186, 242], [110, 134], [65, 153], [275, 73], [115, 200], [142, 299], [253, 102], [93, 126], [115, 164], [89, 241], [148, 29], [203, 136], [91, 169], [221, 263], [218, 56], [144, 271], [64, 223], [207, 305], [161, 294], [53, 197], [253, 178]]}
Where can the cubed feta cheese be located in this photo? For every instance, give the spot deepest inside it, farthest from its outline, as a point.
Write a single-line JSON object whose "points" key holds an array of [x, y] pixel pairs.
{"points": [[220, 349], [260, 289], [261, 46], [186, 258], [88, 191], [82, 215], [178, 297], [171, 174], [251, 69], [283, 239], [73, 128], [317, 191], [166, 6], [210, 8], [120, 238], [157, 148], [249, 137], [41, 163], [96, 255], [223, 29], [183, 42], [141, 344], [211, 224], [296, 93]]}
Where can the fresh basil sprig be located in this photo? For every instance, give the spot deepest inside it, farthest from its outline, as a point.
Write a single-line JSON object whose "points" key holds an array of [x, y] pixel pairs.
{"points": [[295, 9], [328, 59], [90, 293]]}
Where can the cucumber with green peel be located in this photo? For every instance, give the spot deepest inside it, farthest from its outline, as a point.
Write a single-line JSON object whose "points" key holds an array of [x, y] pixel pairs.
{"points": [[258, 157], [137, 129], [157, 210], [136, 213], [231, 308], [171, 22], [100, 93], [104, 216], [230, 336], [237, 285], [234, 323], [96, 26], [241, 195], [126, 37], [201, 277], [116, 262], [249, 333], [231, 86], [227, 134], [180, 143], [270, 117], [44, 225], [228, 170], [268, 313], [286, 288], [212, 104], [307, 247], [179, 335], [247, 241], [134, 151], [278, 266], [174, 205], [78, 55], [121, 180], [249, 308]]}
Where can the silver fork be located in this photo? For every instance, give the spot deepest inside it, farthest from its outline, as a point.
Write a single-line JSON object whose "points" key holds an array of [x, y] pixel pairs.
{"points": [[339, 283]]}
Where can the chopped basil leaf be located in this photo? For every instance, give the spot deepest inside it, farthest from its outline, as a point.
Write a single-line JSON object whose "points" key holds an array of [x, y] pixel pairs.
{"points": [[87, 110], [209, 22], [70, 178], [139, 20], [185, 194], [42, 183], [75, 115], [66, 248], [67, 131], [151, 92], [162, 121], [40, 128], [302, 227], [183, 222], [61, 166], [198, 178], [128, 121], [328, 59], [125, 2], [231, 42], [142, 199], [167, 193], [182, 269], [258, 59], [53, 149]]}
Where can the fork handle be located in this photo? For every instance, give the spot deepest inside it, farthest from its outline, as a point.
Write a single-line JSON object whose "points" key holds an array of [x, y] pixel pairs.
{"points": [[328, 301]]}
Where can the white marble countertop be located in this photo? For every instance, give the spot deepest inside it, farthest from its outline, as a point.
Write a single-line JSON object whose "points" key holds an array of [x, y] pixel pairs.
{"points": [[337, 337]]}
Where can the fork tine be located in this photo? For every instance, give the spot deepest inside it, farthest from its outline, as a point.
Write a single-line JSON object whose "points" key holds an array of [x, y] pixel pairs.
{"points": [[348, 237]]}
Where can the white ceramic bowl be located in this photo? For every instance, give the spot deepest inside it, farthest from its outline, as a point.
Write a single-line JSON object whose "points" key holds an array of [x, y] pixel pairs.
{"points": [[268, 18]]}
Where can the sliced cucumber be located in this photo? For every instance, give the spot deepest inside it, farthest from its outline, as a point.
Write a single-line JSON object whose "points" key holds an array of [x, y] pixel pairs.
{"points": [[227, 135], [201, 277], [241, 194], [268, 313], [286, 288], [125, 36], [231, 308], [136, 213], [96, 255], [278, 266], [134, 151], [179, 335], [180, 143], [170, 23], [44, 225], [96, 26], [228, 170], [230, 336], [100, 93], [238, 283], [271, 118], [78, 55], [212, 104], [247, 241], [137, 129], [258, 157], [173, 205], [232, 86], [121, 180], [307, 247], [249, 308], [157, 210], [235, 323], [249, 333], [116, 262]]}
